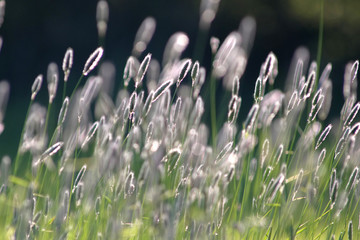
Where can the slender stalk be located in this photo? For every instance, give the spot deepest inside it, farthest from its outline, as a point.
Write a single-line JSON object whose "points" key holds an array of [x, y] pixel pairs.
{"points": [[320, 42], [64, 91], [47, 119], [213, 109], [76, 86], [21, 139]]}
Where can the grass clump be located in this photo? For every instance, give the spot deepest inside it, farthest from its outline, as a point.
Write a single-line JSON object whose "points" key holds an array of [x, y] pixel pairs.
{"points": [[142, 166]]}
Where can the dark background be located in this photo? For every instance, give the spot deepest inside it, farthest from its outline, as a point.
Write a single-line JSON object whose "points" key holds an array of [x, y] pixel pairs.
{"points": [[38, 32]]}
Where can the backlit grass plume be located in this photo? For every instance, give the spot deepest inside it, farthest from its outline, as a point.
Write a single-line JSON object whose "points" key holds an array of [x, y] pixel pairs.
{"points": [[144, 165]]}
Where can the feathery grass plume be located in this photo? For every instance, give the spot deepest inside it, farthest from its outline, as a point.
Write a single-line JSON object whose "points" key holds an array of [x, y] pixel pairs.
{"points": [[278, 154], [195, 73], [325, 74], [90, 133], [251, 118], [63, 111], [172, 159], [132, 102], [323, 136], [352, 180], [327, 91], [129, 186], [258, 91], [214, 44], [90, 90], [199, 82], [310, 82], [208, 9], [350, 79], [79, 177], [298, 74], [142, 70], [332, 181], [2, 12], [161, 89], [185, 67], [247, 29], [264, 151], [346, 109], [176, 111], [175, 46], [102, 16], [224, 152], [350, 117], [293, 100], [197, 112], [297, 183], [320, 159], [350, 230], [35, 88], [4, 97], [144, 35], [270, 106], [49, 152], [33, 138], [107, 72], [269, 70], [153, 75], [93, 61], [277, 184], [129, 70], [310, 134], [301, 54], [222, 57], [67, 63], [52, 80], [235, 86], [316, 105], [62, 212], [233, 108], [355, 129], [354, 70], [104, 105], [252, 169]]}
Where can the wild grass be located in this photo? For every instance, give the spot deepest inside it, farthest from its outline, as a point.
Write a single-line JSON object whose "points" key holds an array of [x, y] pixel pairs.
{"points": [[145, 166]]}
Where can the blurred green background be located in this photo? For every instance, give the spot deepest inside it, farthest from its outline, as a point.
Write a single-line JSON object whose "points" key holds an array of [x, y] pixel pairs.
{"points": [[38, 32]]}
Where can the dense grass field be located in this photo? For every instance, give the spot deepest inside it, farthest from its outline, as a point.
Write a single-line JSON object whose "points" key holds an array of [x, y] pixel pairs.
{"points": [[165, 160]]}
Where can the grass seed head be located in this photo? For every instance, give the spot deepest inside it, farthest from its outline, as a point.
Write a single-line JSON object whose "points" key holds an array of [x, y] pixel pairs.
{"points": [[144, 35], [67, 63], [35, 88], [52, 80], [93, 61]]}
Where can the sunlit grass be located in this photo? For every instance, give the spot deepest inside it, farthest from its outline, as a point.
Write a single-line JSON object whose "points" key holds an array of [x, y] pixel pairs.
{"points": [[143, 165]]}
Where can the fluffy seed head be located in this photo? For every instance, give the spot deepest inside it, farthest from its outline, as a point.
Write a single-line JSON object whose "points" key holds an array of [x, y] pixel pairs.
{"points": [[93, 61], [67, 63], [144, 35], [63, 111], [35, 88], [323, 136], [195, 72], [185, 67], [52, 80]]}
